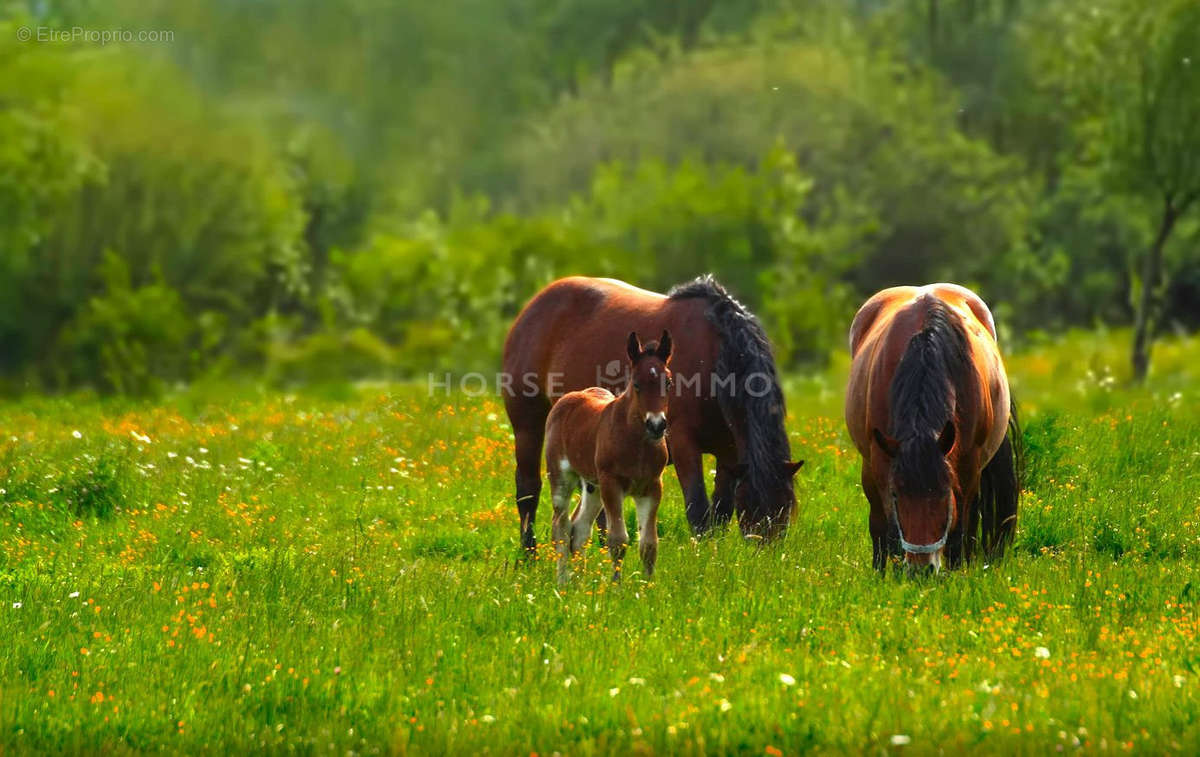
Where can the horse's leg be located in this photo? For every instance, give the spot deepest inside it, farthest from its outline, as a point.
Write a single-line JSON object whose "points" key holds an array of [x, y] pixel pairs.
{"points": [[971, 538], [528, 430], [585, 515], [562, 483], [689, 467], [878, 523], [647, 514], [612, 495], [956, 547], [722, 500], [965, 537]]}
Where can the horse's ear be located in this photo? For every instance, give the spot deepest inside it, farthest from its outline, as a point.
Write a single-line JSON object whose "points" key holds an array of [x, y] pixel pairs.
{"points": [[889, 446], [793, 468], [946, 439], [664, 346], [634, 347]]}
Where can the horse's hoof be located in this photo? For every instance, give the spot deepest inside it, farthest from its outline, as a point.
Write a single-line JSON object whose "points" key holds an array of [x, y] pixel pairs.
{"points": [[529, 544]]}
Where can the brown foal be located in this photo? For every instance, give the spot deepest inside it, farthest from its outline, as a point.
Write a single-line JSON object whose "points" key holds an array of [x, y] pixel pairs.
{"points": [[614, 444]]}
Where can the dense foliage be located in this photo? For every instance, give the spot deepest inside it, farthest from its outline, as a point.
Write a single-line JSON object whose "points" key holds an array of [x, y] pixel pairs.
{"points": [[374, 188]]}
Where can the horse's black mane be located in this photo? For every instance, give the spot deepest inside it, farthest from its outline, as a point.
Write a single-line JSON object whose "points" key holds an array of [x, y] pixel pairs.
{"points": [[931, 374], [745, 351]]}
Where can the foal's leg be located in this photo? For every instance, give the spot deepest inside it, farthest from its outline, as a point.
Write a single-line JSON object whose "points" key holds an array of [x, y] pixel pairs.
{"points": [[598, 518], [561, 486], [647, 514], [612, 494], [585, 515]]}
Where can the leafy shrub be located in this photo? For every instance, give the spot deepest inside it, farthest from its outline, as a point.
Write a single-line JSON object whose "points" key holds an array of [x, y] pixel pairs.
{"points": [[130, 339], [331, 356], [92, 486], [861, 124]]}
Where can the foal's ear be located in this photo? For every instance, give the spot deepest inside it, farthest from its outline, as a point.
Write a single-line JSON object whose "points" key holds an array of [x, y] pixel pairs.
{"points": [[889, 446], [664, 346], [946, 439], [793, 468], [634, 347]]}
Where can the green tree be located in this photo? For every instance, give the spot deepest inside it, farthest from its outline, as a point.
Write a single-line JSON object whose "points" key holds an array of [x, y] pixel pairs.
{"points": [[44, 162], [1136, 80], [863, 125]]}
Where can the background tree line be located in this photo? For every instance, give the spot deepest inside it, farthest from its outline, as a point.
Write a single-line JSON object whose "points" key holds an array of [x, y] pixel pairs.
{"points": [[366, 188]]}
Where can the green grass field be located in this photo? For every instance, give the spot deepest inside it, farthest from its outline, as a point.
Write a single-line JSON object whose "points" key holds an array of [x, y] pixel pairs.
{"points": [[334, 573]]}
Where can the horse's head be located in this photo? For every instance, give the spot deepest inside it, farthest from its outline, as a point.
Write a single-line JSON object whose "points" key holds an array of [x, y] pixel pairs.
{"points": [[764, 500], [917, 482], [650, 380]]}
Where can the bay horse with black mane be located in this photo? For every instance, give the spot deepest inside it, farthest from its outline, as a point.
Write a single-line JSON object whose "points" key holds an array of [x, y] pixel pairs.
{"points": [[929, 409], [613, 446], [726, 401]]}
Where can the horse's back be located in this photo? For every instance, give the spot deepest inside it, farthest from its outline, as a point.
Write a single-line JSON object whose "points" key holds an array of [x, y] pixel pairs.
{"points": [[573, 333], [880, 333], [881, 309], [567, 309], [535, 326]]}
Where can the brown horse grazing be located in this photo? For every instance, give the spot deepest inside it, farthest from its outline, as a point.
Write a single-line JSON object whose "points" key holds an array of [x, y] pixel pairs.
{"points": [[929, 410], [726, 402], [614, 444]]}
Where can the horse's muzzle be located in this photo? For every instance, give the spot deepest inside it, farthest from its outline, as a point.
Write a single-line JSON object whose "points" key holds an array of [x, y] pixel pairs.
{"points": [[765, 531], [656, 426]]}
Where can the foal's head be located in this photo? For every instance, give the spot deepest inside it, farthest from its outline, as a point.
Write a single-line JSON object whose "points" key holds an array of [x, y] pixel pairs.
{"points": [[650, 382]]}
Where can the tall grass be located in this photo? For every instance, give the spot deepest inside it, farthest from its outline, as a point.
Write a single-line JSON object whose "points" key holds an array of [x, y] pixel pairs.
{"points": [[331, 574]]}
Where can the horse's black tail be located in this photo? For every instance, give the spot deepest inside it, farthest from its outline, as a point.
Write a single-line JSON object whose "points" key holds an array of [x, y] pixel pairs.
{"points": [[1000, 490]]}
